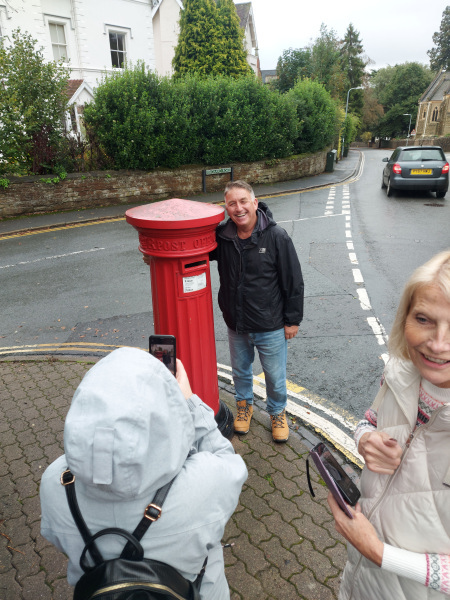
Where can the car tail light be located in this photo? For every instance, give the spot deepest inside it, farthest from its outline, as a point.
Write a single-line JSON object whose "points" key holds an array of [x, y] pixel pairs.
{"points": [[397, 168], [445, 168]]}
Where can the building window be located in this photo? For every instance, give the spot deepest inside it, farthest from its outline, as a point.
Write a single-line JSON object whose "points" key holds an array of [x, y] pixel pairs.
{"points": [[58, 38], [118, 50], [435, 114], [424, 113]]}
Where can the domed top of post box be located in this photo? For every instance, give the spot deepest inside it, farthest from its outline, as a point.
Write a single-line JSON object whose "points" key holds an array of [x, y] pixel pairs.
{"points": [[174, 214]]}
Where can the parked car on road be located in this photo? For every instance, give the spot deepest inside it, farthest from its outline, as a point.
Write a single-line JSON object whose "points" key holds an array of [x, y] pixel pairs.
{"points": [[416, 168]]}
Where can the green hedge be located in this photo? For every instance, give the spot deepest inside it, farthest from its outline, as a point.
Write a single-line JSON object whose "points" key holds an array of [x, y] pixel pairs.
{"points": [[144, 121]]}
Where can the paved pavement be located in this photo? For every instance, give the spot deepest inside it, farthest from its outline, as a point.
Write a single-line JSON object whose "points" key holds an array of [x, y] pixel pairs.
{"points": [[280, 543]]}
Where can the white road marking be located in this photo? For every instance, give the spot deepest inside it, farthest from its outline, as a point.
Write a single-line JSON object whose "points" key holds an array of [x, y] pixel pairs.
{"points": [[378, 330], [364, 299], [357, 276], [28, 262]]}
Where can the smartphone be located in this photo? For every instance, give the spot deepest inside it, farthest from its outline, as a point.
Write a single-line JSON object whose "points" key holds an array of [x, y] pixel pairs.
{"points": [[338, 482], [163, 347]]}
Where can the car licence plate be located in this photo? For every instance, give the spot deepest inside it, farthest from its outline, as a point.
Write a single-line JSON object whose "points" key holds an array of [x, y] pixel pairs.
{"points": [[421, 171]]}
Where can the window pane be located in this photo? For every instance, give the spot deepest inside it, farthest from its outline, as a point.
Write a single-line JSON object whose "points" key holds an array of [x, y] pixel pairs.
{"points": [[113, 41], [115, 59], [117, 47]]}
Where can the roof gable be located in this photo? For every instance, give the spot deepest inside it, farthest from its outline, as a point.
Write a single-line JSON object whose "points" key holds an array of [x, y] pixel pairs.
{"points": [[438, 88]]}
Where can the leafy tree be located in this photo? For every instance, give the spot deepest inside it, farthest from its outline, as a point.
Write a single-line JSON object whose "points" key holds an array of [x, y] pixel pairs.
{"points": [[398, 89], [317, 113], [353, 66], [372, 110], [440, 55], [32, 106], [292, 65], [325, 66], [210, 40]]}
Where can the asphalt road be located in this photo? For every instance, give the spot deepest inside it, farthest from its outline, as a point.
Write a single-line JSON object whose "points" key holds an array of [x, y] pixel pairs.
{"points": [[88, 286]]}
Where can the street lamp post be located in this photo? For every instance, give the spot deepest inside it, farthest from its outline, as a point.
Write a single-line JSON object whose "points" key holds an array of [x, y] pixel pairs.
{"points": [[409, 127], [360, 87]]}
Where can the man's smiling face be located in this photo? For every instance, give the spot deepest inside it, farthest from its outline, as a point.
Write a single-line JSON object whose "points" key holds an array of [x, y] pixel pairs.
{"points": [[241, 208]]}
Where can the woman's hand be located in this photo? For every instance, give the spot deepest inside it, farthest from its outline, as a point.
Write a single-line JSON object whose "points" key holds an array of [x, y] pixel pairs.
{"points": [[183, 380], [358, 531], [381, 453]]}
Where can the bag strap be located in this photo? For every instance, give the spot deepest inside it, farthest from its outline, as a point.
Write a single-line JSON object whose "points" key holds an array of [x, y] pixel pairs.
{"points": [[151, 514], [309, 479], [68, 481]]}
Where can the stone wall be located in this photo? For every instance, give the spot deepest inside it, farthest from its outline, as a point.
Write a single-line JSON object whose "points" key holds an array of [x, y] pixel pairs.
{"points": [[29, 195], [443, 142]]}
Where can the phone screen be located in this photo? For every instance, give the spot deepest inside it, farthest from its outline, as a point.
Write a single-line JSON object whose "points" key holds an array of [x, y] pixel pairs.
{"points": [[163, 347], [345, 485]]}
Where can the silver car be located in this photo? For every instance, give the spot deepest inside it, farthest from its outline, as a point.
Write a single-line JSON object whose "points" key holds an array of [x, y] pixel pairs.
{"points": [[416, 168]]}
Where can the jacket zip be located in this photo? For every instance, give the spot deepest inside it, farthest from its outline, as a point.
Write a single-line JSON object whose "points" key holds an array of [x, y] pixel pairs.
{"points": [[391, 478]]}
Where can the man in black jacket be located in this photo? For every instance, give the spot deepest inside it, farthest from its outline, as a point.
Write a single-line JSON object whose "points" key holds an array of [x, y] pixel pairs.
{"points": [[261, 298]]}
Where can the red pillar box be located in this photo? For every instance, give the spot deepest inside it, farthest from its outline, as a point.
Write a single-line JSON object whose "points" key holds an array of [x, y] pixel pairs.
{"points": [[178, 236]]}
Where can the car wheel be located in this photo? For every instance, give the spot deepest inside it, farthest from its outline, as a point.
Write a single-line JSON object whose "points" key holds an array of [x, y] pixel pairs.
{"points": [[383, 185], [389, 189], [441, 193]]}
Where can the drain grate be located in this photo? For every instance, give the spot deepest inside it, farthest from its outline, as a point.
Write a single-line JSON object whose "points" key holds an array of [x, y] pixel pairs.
{"points": [[435, 204]]}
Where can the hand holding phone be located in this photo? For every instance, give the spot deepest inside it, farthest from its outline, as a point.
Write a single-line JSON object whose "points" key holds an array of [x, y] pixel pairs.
{"points": [[163, 347], [338, 482]]}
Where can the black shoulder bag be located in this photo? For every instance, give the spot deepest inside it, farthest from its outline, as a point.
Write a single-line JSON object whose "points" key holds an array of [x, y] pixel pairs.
{"points": [[130, 576]]}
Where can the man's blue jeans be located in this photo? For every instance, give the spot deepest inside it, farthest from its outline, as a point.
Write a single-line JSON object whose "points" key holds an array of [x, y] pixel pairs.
{"points": [[272, 350]]}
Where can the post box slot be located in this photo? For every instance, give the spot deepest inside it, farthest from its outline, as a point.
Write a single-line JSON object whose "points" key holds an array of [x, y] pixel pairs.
{"points": [[199, 263]]}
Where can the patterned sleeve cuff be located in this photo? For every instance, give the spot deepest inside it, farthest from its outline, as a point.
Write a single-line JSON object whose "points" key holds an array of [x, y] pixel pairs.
{"points": [[362, 427], [431, 570]]}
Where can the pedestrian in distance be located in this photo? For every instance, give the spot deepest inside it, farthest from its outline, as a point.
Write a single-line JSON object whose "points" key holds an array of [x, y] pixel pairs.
{"points": [[399, 537], [131, 428], [261, 299]]}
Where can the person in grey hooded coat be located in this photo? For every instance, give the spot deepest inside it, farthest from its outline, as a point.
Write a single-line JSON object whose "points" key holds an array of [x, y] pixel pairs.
{"points": [[130, 429]]}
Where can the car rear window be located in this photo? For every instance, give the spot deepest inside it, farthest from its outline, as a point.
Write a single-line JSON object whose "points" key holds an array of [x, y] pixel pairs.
{"points": [[422, 154]]}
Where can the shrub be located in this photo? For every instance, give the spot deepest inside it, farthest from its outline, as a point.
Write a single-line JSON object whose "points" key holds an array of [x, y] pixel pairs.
{"points": [[144, 121], [317, 112], [32, 107]]}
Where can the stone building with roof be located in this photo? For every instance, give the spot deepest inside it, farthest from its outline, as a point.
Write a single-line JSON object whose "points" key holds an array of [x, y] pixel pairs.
{"points": [[433, 117]]}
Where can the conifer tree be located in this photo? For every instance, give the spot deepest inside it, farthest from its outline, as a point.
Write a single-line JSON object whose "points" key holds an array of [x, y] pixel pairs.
{"points": [[210, 40], [353, 65], [197, 39], [231, 55], [440, 56]]}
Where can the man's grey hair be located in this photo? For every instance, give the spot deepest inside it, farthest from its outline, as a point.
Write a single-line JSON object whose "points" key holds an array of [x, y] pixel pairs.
{"points": [[239, 183]]}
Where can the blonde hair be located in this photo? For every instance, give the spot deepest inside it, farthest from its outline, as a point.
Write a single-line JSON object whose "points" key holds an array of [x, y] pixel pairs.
{"points": [[434, 272]]}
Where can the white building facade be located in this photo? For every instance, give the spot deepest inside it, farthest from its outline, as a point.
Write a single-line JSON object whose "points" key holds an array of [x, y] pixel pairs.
{"points": [[93, 36]]}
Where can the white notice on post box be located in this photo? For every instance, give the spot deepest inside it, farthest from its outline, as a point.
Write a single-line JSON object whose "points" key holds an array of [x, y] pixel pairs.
{"points": [[195, 283]]}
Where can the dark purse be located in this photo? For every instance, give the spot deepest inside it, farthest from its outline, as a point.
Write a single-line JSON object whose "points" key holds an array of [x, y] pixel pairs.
{"points": [[130, 576]]}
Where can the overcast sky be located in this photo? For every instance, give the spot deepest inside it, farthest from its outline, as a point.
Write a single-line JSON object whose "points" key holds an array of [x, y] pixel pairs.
{"points": [[392, 31]]}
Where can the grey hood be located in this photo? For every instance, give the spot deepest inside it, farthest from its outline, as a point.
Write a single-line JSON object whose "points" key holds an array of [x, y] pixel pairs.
{"points": [[129, 429]]}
